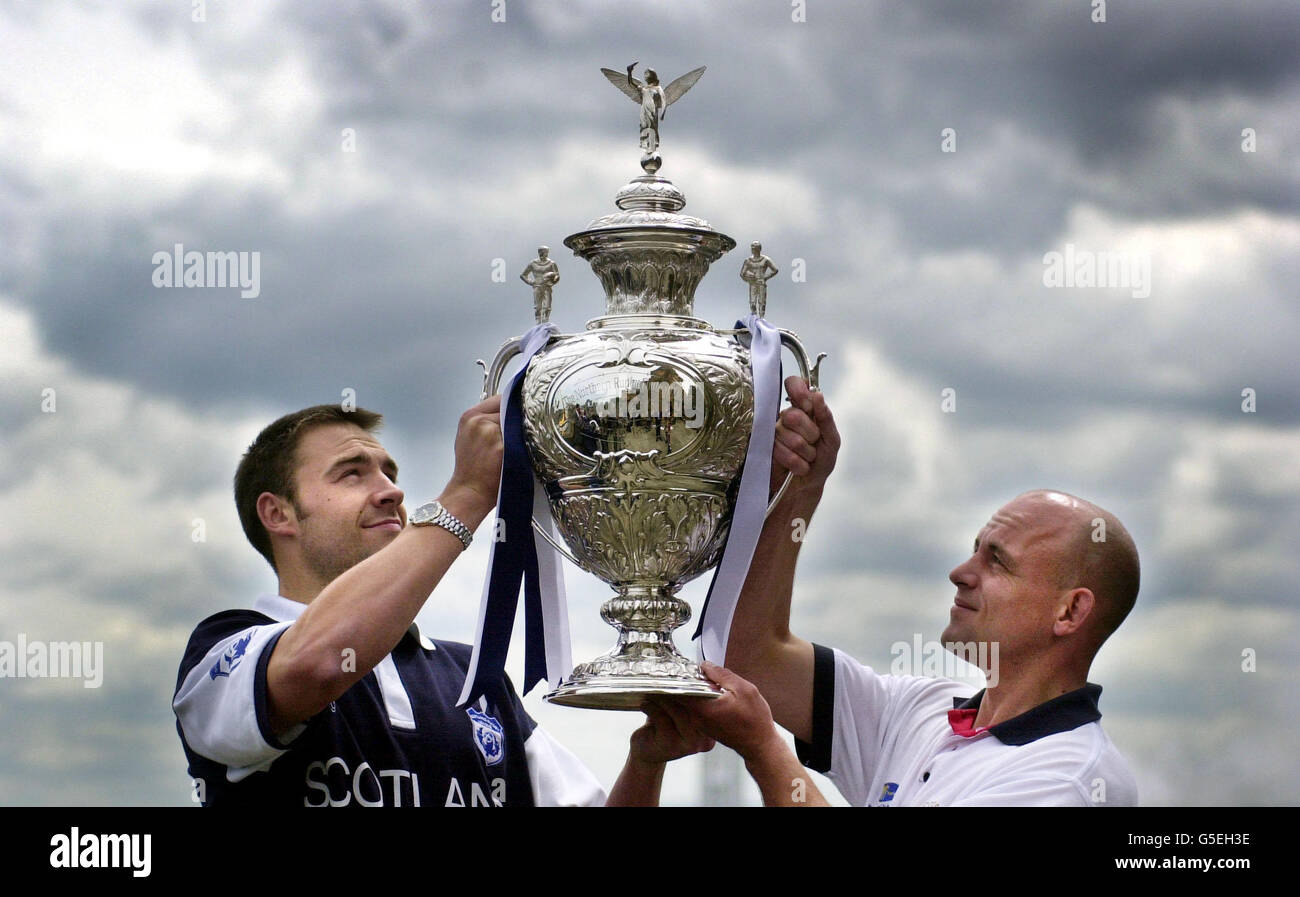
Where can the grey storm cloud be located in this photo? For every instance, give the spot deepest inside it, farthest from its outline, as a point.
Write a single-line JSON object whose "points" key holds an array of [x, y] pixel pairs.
{"points": [[384, 284]]}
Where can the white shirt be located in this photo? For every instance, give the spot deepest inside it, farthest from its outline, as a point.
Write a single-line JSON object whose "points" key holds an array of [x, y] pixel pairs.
{"points": [[907, 741]]}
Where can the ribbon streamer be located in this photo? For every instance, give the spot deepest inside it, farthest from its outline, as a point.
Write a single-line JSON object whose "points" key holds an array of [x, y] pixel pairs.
{"points": [[521, 559], [751, 499]]}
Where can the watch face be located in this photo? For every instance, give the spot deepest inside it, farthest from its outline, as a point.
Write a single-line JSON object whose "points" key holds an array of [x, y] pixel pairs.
{"points": [[426, 512], [434, 514]]}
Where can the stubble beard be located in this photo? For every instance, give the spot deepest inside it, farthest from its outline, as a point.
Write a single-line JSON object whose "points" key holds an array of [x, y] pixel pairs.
{"points": [[331, 556]]}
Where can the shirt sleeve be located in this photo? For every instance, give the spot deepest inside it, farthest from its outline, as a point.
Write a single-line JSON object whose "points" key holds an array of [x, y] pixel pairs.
{"points": [[853, 729], [221, 696], [852, 710], [558, 777]]}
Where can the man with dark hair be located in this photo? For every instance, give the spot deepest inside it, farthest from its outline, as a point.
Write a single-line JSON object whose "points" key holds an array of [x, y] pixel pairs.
{"points": [[327, 693], [1050, 578], [270, 463]]}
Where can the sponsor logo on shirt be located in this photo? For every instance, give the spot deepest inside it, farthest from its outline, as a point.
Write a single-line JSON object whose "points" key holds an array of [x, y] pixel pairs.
{"points": [[333, 783], [489, 736], [887, 793], [231, 658]]}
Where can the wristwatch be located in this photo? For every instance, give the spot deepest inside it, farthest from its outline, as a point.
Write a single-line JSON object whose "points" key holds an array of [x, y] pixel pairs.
{"points": [[434, 514]]}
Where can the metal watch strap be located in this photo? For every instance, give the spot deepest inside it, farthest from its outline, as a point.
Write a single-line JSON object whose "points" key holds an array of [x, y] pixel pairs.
{"points": [[434, 514]]}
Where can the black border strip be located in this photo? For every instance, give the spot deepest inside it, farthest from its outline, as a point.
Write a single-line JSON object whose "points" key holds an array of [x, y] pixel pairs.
{"points": [[816, 755], [259, 692]]}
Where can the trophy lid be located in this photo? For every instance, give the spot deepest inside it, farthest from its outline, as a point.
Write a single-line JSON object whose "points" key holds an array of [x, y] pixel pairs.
{"points": [[648, 255]]}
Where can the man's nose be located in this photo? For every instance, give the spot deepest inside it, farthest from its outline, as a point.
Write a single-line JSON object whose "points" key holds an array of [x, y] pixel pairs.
{"points": [[389, 494], [962, 575]]}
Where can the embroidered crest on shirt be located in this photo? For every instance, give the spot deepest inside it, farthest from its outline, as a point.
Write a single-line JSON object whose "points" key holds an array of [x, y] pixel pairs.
{"points": [[489, 736]]}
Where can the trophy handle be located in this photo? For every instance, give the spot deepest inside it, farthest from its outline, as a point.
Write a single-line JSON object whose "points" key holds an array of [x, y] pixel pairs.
{"points": [[492, 375], [491, 382], [810, 372]]}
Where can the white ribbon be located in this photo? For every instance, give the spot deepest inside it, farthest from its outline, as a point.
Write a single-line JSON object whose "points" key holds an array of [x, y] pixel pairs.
{"points": [[752, 497]]}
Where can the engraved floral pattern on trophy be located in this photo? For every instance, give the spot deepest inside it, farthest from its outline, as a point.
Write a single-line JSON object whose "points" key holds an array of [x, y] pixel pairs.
{"points": [[643, 501], [658, 280]]}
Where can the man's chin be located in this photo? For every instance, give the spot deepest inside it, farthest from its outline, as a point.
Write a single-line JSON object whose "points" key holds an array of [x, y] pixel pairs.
{"points": [[953, 633], [377, 538], [373, 546]]}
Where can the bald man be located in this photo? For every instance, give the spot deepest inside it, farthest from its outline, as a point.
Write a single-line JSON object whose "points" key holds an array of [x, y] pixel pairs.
{"points": [[1049, 578]]}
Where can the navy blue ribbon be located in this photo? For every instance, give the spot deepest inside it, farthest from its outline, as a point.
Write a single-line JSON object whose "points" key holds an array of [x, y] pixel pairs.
{"points": [[514, 559]]}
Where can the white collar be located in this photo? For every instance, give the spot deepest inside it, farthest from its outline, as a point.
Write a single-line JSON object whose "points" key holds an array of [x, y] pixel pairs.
{"points": [[277, 607]]}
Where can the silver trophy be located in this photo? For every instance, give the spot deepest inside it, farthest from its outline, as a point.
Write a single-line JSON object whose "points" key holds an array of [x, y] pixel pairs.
{"points": [[638, 427]]}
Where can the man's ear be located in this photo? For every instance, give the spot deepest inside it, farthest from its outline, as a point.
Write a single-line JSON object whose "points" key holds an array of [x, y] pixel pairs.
{"points": [[1075, 607], [277, 514]]}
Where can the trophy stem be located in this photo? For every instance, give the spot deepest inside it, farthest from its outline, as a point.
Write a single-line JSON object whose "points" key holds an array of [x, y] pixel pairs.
{"points": [[645, 662]]}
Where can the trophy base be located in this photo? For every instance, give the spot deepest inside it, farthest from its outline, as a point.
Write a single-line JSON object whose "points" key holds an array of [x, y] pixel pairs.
{"points": [[644, 663], [627, 692]]}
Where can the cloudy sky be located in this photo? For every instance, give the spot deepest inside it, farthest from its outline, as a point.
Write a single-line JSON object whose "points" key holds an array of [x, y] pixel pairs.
{"points": [[129, 127]]}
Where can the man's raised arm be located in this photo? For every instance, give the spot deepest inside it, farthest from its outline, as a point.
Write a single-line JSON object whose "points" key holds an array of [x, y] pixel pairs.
{"points": [[366, 610], [761, 647]]}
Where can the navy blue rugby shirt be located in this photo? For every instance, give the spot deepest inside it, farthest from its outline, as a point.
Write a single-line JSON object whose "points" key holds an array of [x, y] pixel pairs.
{"points": [[395, 738]]}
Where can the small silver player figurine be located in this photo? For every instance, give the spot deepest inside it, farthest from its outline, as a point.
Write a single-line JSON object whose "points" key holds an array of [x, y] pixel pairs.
{"points": [[541, 274], [757, 270]]}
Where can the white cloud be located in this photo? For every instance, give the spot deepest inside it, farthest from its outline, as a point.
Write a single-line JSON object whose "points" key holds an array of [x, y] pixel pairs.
{"points": [[129, 120]]}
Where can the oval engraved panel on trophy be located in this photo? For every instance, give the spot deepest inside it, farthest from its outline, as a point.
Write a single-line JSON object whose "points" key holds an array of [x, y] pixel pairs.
{"points": [[641, 402]]}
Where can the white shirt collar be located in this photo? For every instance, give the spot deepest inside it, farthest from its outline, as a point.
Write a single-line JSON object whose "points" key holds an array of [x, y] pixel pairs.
{"points": [[286, 610]]}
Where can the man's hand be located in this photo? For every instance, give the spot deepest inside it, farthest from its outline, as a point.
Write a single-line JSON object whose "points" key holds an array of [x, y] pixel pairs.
{"points": [[807, 441], [740, 719], [663, 739], [471, 493]]}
